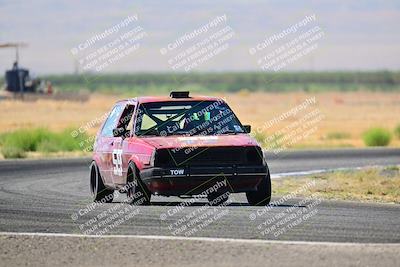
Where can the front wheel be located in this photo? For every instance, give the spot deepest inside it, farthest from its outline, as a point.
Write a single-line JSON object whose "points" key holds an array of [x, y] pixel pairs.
{"points": [[262, 196], [97, 188], [137, 192]]}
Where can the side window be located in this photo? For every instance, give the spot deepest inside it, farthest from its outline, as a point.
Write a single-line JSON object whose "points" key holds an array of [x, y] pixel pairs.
{"points": [[130, 124], [111, 121]]}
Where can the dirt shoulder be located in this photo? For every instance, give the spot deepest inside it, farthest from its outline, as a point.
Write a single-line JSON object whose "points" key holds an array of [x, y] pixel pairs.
{"points": [[366, 185]]}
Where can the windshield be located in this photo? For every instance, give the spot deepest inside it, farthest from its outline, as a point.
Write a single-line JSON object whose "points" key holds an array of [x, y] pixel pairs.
{"points": [[186, 118]]}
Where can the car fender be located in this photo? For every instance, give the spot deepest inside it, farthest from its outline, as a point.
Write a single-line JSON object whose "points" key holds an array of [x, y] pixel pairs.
{"points": [[135, 160], [96, 159]]}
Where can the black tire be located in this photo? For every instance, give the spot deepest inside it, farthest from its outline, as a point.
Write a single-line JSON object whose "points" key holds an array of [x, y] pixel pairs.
{"points": [[262, 196], [136, 191], [97, 188], [218, 198]]}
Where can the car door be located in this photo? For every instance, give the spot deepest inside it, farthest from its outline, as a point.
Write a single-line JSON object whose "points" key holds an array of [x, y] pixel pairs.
{"points": [[105, 145], [120, 157]]}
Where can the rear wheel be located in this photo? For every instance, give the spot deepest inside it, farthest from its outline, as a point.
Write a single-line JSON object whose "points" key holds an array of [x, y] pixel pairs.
{"points": [[97, 188], [136, 191], [262, 196]]}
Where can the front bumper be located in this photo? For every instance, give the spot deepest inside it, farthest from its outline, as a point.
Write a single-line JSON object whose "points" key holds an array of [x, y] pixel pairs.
{"points": [[193, 180]]}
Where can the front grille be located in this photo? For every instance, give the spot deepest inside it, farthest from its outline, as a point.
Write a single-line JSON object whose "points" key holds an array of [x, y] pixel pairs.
{"points": [[208, 156]]}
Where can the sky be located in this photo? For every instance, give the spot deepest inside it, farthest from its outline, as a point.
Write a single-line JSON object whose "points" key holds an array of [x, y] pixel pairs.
{"points": [[353, 35]]}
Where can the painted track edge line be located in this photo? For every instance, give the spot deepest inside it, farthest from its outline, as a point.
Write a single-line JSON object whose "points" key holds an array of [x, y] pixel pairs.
{"points": [[203, 239]]}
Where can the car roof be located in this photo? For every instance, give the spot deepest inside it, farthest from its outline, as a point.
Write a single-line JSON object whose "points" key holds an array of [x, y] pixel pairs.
{"points": [[152, 99]]}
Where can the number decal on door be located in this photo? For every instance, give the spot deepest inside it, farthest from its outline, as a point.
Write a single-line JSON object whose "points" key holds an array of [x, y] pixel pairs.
{"points": [[117, 161]]}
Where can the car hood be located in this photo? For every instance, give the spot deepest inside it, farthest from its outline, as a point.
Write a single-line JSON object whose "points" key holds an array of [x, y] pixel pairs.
{"points": [[201, 141]]}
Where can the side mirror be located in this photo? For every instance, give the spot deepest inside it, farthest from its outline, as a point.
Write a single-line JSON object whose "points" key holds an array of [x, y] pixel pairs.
{"points": [[120, 131], [247, 128]]}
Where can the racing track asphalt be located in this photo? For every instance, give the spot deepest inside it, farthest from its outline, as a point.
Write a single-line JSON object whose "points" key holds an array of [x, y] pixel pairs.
{"points": [[42, 195]]}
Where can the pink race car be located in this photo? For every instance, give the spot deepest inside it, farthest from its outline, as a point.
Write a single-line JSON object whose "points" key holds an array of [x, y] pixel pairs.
{"points": [[177, 146]]}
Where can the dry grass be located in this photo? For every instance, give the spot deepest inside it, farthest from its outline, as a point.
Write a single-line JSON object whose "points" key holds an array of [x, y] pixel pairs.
{"points": [[348, 113], [375, 185], [55, 115]]}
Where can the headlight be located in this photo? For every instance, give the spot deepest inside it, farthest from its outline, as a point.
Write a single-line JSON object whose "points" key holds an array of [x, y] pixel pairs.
{"points": [[254, 155]]}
